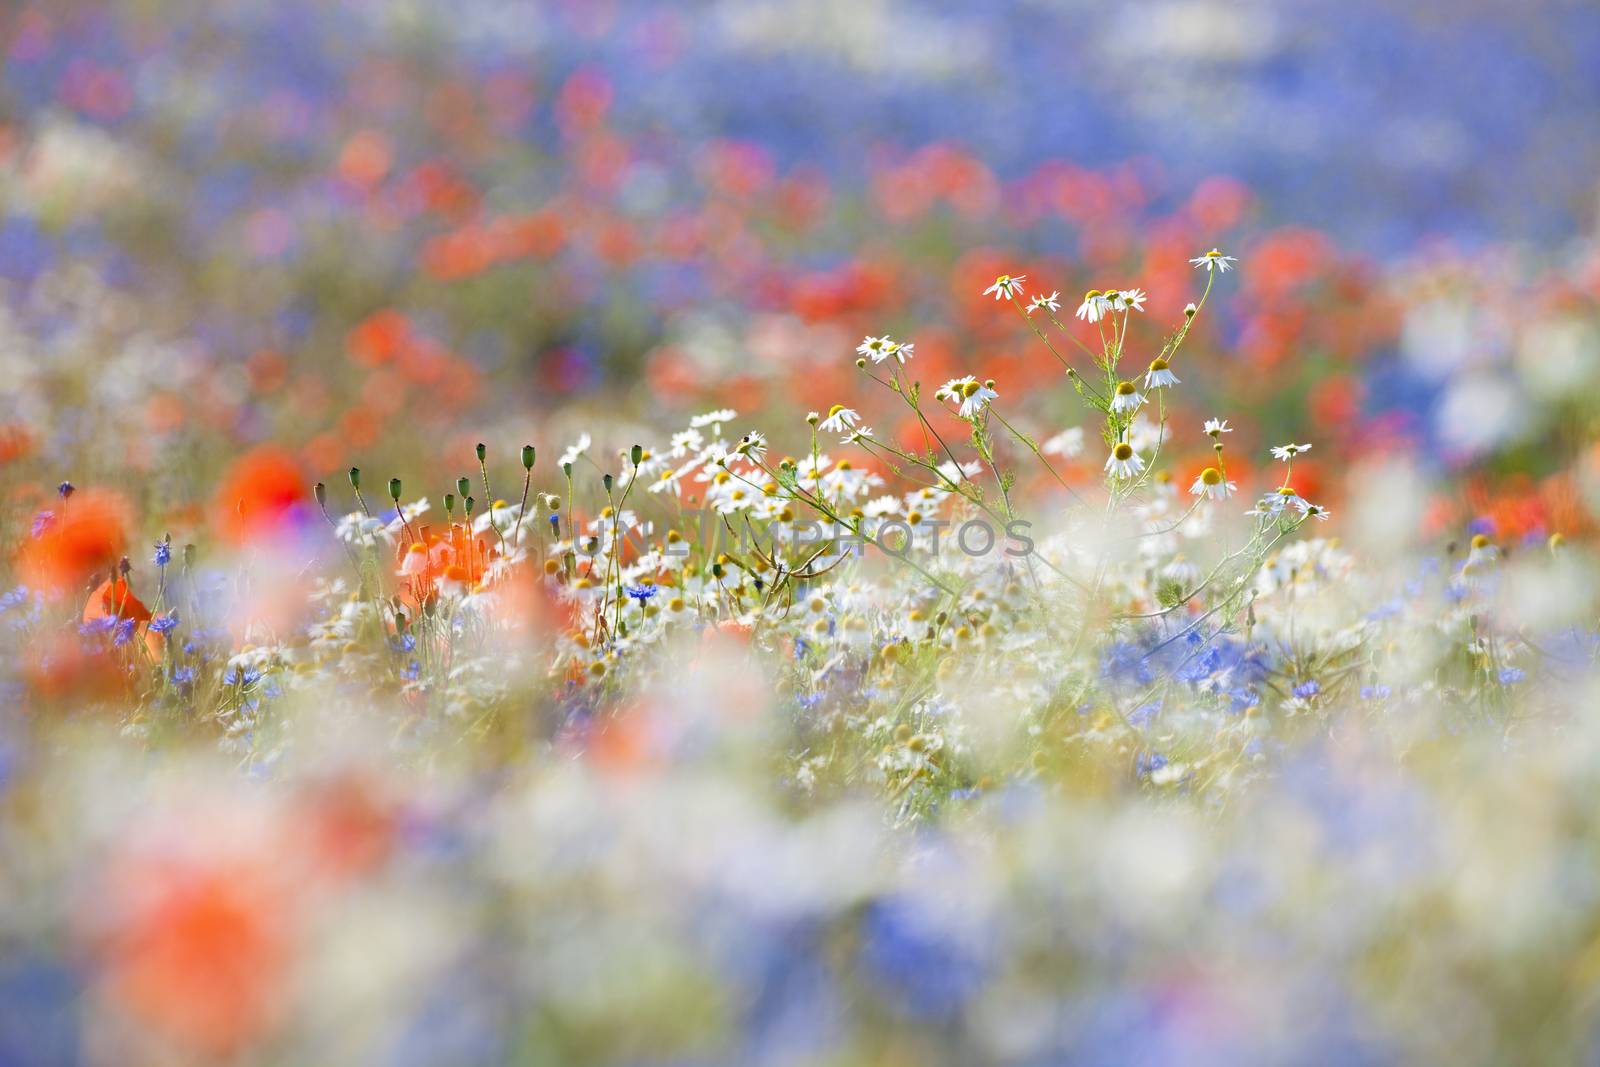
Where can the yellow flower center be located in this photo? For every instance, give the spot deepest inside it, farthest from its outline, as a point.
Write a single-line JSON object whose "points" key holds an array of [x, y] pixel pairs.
{"points": [[1123, 451], [1125, 389], [1211, 476]]}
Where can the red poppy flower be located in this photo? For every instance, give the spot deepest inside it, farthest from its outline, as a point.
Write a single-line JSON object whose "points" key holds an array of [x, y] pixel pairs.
{"points": [[261, 496], [79, 537]]}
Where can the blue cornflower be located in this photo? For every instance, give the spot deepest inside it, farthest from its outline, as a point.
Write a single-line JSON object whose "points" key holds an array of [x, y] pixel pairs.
{"points": [[1307, 690], [555, 524], [124, 632], [412, 672], [241, 678], [1375, 692], [164, 623], [17, 596], [163, 554], [1144, 715], [41, 522], [183, 675], [1148, 763], [641, 593], [66, 489], [1512, 675], [101, 625]]}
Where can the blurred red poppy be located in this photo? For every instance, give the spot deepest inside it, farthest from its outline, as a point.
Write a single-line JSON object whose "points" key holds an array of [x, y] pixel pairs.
{"points": [[77, 538], [261, 496]]}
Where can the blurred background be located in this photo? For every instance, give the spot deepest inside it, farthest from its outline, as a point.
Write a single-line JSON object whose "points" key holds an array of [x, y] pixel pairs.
{"points": [[378, 231]]}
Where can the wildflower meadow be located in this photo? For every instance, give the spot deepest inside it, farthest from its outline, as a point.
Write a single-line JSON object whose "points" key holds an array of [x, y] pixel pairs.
{"points": [[813, 535]]}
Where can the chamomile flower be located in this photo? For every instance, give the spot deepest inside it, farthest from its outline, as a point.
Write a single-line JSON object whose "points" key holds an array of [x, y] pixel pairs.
{"points": [[1052, 302], [576, 449], [1212, 485], [1130, 299], [840, 419], [1126, 398], [1215, 428], [1289, 451], [871, 347], [1006, 287], [954, 473], [900, 352], [713, 419], [752, 444], [1481, 552], [857, 434], [1214, 260], [1310, 510], [1124, 462], [1094, 306], [1276, 502], [971, 395], [1067, 443], [667, 480], [1160, 374], [684, 443]]}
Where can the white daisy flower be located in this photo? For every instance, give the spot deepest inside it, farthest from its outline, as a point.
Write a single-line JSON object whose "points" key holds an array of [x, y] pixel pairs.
{"points": [[1310, 510], [1481, 552], [1217, 427], [901, 352], [1067, 443], [713, 419], [1053, 302], [577, 449], [1212, 485], [859, 433], [870, 347], [840, 419], [1094, 306], [1214, 260], [1006, 286], [667, 480], [1275, 502], [1131, 299], [1126, 398], [970, 394], [1160, 374], [1289, 451], [1124, 462], [955, 474], [684, 443], [878, 507], [752, 444]]}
